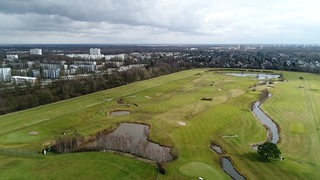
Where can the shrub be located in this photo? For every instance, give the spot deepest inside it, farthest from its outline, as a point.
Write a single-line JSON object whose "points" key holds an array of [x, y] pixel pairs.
{"points": [[162, 168], [206, 99], [174, 153], [264, 95]]}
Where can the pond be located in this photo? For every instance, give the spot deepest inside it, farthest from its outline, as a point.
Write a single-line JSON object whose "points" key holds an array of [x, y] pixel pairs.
{"points": [[268, 122], [218, 149], [133, 138], [120, 113], [260, 76], [228, 167]]}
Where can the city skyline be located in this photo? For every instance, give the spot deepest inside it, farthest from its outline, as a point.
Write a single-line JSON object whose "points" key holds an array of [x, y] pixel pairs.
{"points": [[159, 22]]}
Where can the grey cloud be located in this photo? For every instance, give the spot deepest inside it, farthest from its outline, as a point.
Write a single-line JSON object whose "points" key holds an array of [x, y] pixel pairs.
{"points": [[193, 21], [135, 12]]}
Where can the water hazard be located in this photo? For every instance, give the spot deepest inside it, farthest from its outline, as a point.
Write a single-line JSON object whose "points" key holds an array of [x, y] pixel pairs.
{"points": [[273, 130], [228, 167], [268, 122], [218, 149], [260, 76], [120, 113], [226, 163], [132, 138]]}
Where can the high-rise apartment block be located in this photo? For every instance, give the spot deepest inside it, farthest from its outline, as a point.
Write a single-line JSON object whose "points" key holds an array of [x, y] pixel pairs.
{"points": [[94, 51], [5, 74], [36, 51]]}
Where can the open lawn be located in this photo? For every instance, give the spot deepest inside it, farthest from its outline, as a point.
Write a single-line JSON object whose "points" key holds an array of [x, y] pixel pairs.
{"points": [[172, 106]]}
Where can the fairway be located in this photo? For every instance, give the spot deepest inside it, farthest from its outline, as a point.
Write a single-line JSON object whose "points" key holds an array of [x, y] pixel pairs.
{"points": [[187, 111]]}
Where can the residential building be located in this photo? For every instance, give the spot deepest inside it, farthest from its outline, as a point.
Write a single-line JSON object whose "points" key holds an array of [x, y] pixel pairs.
{"points": [[51, 73], [117, 56], [35, 73], [86, 56], [50, 66], [23, 79], [5, 74], [36, 51], [12, 57], [94, 51]]}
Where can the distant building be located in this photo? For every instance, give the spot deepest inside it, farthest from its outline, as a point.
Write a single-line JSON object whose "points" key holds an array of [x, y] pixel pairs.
{"points": [[5, 74], [94, 51], [50, 66], [86, 56], [36, 51], [117, 56], [51, 73], [125, 68], [30, 64], [115, 63], [23, 79], [12, 57], [83, 67], [35, 72]]}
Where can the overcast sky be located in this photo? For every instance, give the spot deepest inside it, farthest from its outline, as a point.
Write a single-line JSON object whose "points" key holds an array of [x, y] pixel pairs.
{"points": [[159, 21]]}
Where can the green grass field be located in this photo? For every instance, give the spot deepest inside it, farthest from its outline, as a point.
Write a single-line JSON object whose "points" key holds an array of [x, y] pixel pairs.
{"points": [[172, 106]]}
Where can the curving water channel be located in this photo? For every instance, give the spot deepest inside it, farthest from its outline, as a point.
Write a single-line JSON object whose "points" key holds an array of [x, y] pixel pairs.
{"points": [[268, 122], [271, 126], [226, 163], [228, 167]]}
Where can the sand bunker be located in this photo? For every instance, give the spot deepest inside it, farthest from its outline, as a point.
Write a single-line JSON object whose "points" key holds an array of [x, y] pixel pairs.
{"points": [[182, 123], [230, 136]]}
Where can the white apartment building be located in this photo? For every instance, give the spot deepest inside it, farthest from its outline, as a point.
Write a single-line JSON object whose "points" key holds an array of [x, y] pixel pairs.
{"points": [[5, 74], [51, 73], [94, 51], [23, 79], [12, 57], [36, 51], [86, 56], [117, 56], [50, 66]]}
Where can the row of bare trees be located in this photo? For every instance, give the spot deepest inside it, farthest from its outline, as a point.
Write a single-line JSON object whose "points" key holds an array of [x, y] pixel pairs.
{"points": [[68, 143]]}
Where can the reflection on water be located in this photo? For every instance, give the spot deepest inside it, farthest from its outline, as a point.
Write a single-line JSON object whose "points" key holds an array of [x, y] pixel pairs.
{"points": [[120, 113], [132, 138], [272, 127], [260, 76], [228, 167]]}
